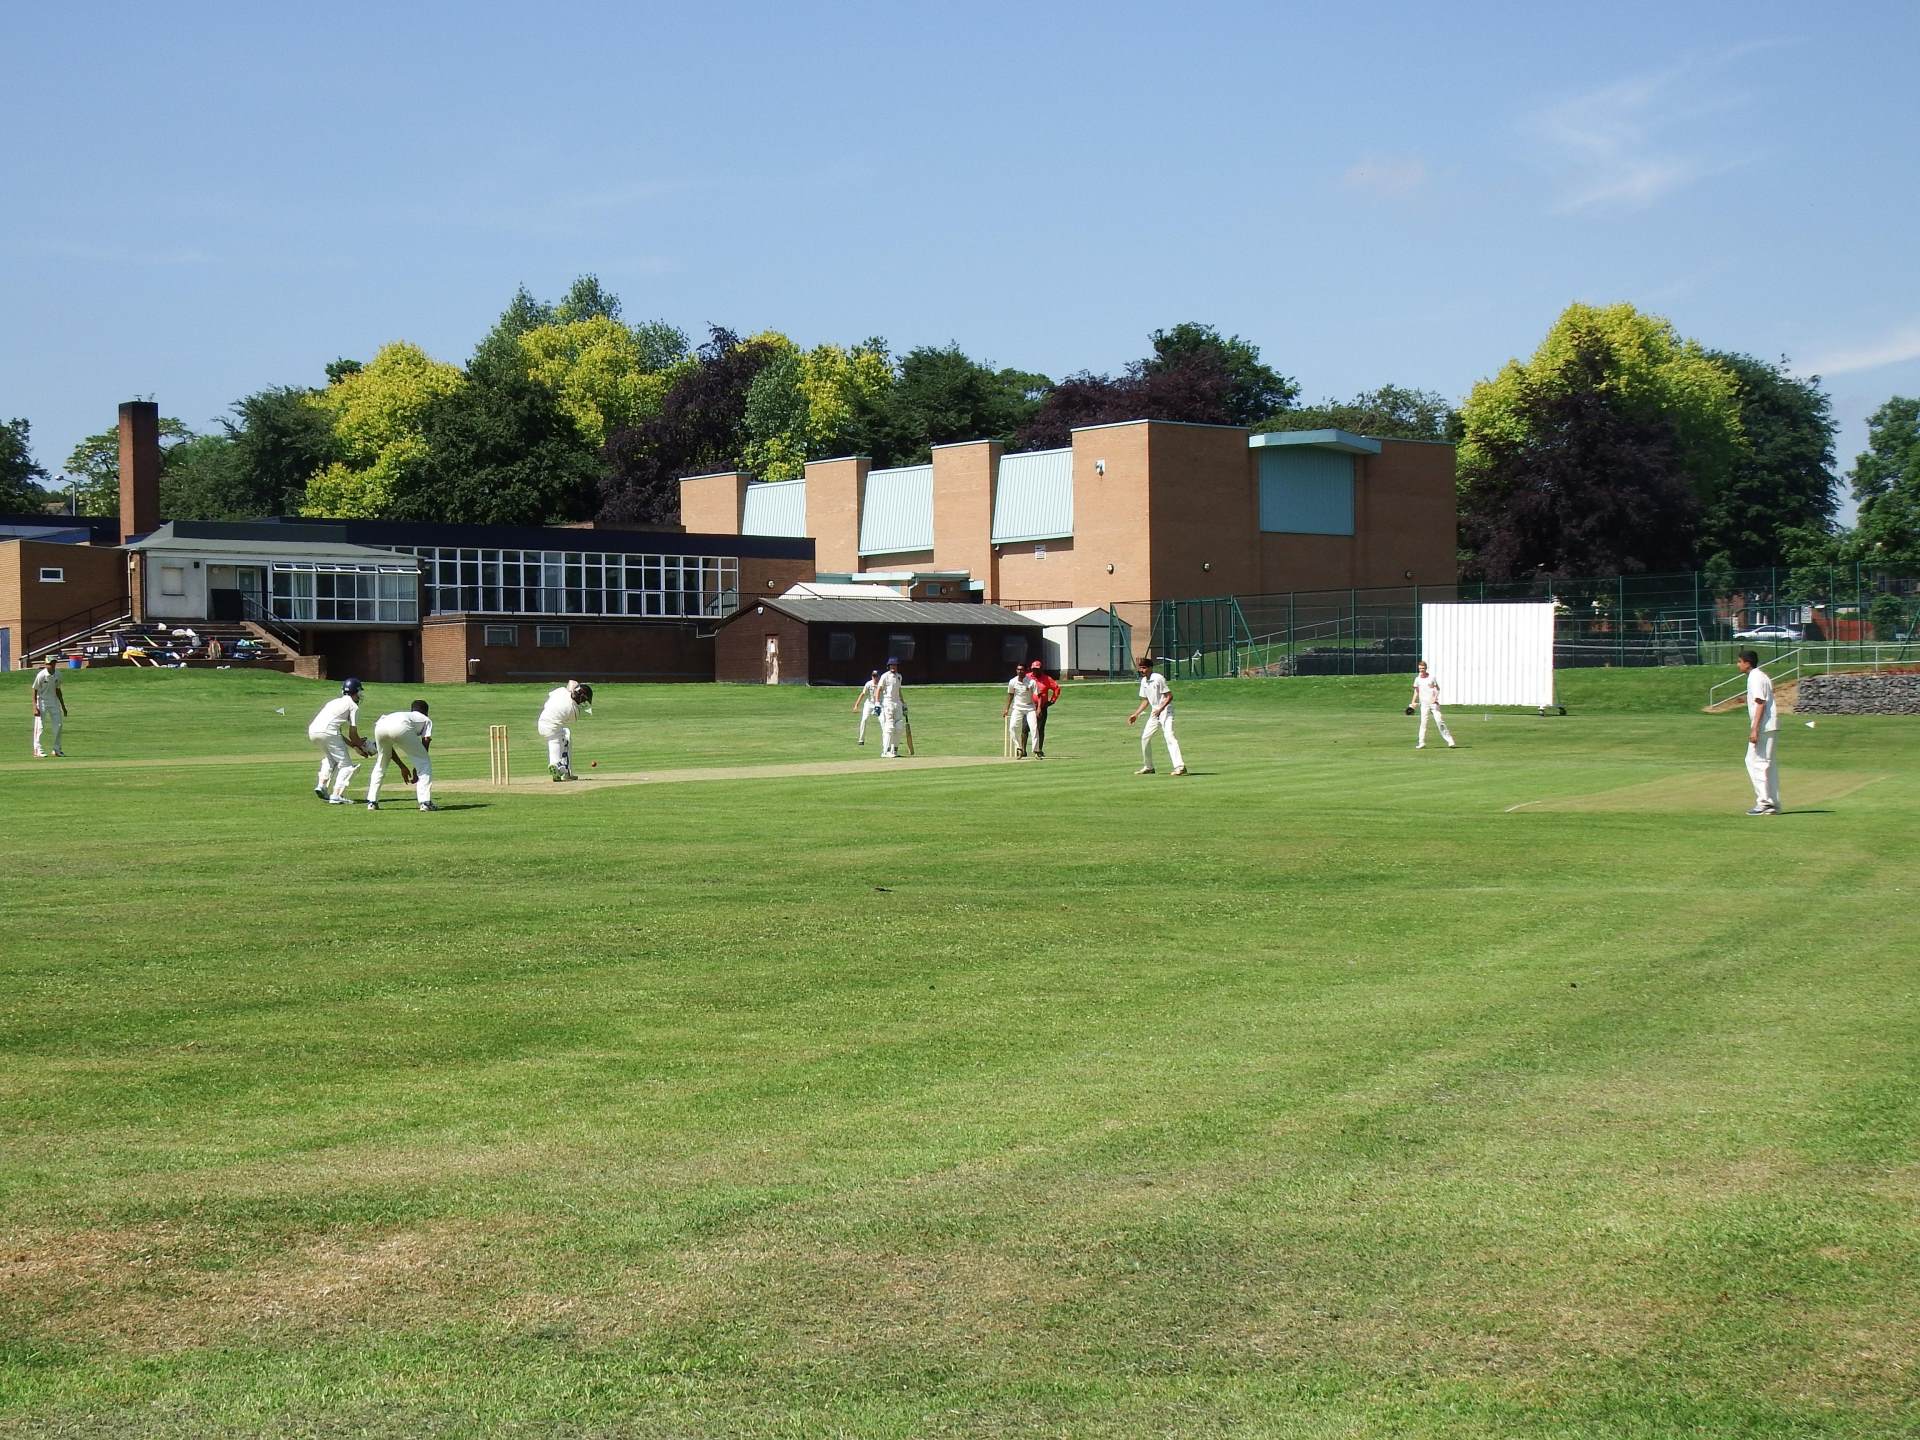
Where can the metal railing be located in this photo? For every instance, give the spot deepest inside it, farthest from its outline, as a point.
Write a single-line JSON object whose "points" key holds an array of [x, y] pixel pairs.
{"points": [[1805, 661], [76, 626], [256, 613]]}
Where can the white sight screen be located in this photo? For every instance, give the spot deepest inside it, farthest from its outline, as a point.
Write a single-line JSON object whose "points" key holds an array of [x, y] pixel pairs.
{"points": [[1490, 654]]}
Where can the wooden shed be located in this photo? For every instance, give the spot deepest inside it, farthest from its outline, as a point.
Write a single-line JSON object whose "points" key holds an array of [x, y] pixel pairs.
{"points": [[839, 642]]}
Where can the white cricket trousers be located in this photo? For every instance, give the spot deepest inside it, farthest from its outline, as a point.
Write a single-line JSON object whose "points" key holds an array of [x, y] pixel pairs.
{"points": [[336, 762], [1162, 722], [1764, 770], [891, 715], [1025, 726], [1438, 719], [559, 745], [46, 729], [404, 746], [866, 714]]}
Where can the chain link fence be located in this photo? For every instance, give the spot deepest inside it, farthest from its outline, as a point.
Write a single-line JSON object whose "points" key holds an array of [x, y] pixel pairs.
{"points": [[1698, 617]]}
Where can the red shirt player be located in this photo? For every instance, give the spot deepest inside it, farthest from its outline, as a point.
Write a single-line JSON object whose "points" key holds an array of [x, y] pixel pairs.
{"points": [[1046, 691]]}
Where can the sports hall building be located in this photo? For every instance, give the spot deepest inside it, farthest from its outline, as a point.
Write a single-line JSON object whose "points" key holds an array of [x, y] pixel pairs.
{"points": [[1143, 510]]}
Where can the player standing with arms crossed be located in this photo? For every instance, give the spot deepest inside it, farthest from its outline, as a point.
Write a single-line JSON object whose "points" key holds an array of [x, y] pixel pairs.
{"points": [[1156, 696], [335, 730], [556, 726], [49, 711], [867, 705], [1426, 697], [400, 737]]}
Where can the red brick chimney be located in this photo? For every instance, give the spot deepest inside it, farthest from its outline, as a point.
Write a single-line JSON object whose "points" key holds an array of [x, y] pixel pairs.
{"points": [[139, 468]]}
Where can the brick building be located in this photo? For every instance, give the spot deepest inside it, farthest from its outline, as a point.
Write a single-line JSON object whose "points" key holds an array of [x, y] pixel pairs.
{"points": [[1142, 510]]}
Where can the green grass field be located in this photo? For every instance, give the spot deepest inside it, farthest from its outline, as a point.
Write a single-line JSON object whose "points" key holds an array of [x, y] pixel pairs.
{"points": [[1528, 1089]]}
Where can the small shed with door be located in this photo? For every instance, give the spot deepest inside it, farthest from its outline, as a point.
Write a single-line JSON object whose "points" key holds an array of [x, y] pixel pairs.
{"points": [[839, 642], [1085, 640]]}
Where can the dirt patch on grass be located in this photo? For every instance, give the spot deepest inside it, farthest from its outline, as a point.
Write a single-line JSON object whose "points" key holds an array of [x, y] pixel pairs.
{"points": [[595, 779], [1722, 790]]}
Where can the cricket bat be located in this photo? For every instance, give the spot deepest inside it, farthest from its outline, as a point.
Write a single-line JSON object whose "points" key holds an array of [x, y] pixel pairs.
{"points": [[906, 719]]}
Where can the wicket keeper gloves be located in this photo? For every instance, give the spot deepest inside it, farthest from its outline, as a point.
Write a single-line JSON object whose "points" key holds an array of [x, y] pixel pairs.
{"points": [[1409, 709]]}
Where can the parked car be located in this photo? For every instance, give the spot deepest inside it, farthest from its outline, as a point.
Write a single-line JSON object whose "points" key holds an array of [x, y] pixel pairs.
{"points": [[1778, 634]]}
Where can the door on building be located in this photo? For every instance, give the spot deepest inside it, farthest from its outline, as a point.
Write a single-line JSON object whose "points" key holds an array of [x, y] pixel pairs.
{"points": [[234, 592], [773, 659]]}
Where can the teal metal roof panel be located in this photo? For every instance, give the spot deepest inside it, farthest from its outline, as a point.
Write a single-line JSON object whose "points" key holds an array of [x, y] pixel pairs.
{"points": [[775, 508], [1033, 496], [1344, 441], [1306, 491], [898, 513]]}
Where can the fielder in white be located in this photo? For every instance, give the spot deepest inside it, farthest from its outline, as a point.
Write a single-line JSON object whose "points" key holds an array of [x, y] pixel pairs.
{"points": [[1763, 728], [1021, 714], [334, 732], [49, 711], [1156, 701], [1426, 696], [868, 705], [403, 737], [556, 726], [893, 711]]}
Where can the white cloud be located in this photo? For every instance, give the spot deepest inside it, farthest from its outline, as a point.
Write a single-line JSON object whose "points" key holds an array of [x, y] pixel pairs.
{"points": [[1893, 349], [1627, 145], [1385, 177]]}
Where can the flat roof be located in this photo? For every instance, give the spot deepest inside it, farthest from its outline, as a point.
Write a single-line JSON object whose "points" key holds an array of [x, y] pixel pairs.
{"points": [[524, 537], [166, 541], [1343, 440], [897, 613]]}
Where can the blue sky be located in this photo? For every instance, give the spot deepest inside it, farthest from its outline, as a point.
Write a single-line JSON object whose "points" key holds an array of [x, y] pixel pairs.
{"points": [[206, 202]]}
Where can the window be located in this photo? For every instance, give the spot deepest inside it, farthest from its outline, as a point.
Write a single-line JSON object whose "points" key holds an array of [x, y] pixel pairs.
{"points": [[566, 582], [52, 575], [501, 635], [550, 637], [839, 645], [959, 645], [934, 587], [173, 580], [1013, 646], [900, 647]]}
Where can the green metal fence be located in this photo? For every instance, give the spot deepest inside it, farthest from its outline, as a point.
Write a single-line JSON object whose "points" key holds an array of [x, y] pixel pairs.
{"points": [[1690, 617]]}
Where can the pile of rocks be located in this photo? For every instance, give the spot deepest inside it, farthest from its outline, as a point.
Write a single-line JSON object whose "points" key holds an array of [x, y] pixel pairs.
{"points": [[1859, 695]]}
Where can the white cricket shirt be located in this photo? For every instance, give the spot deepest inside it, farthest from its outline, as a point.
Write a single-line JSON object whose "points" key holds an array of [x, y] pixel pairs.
{"points": [[334, 716], [889, 691], [1427, 688], [404, 722], [1021, 689], [1153, 690], [46, 691], [1760, 689], [561, 708]]}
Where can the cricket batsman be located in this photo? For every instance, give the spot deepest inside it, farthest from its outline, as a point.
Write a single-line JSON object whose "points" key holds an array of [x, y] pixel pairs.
{"points": [[335, 731], [403, 737], [893, 711], [556, 726]]}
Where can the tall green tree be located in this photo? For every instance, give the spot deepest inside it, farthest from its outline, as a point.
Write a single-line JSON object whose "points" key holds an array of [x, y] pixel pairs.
{"points": [[20, 474], [809, 404], [203, 479], [1782, 477], [377, 417], [95, 466], [1600, 452], [942, 396], [1392, 412], [1254, 391], [497, 450], [1886, 482], [281, 438]]}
